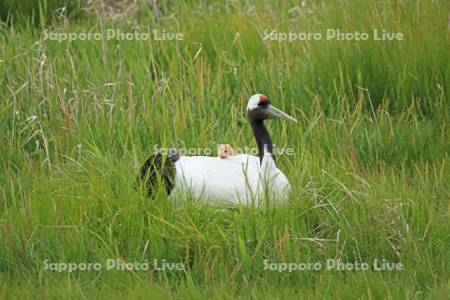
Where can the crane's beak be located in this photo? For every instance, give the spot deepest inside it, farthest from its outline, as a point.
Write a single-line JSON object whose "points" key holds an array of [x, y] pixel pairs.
{"points": [[276, 113]]}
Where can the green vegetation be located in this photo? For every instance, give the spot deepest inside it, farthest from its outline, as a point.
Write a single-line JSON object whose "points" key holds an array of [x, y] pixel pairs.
{"points": [[370, 170], [35, 11]]}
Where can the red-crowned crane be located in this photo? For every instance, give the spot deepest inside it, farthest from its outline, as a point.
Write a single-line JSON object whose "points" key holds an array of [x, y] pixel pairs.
{"points": [[239, 178]]}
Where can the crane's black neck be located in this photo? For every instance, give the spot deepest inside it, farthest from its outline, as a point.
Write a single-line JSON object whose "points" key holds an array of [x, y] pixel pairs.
{"points": [[263, 139]]}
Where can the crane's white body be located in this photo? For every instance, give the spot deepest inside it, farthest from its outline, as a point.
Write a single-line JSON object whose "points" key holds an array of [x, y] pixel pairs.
{"points": [[235, 179]]}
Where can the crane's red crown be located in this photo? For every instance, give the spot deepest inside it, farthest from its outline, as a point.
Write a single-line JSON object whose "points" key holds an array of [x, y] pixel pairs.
{"points": [[263, 98]]}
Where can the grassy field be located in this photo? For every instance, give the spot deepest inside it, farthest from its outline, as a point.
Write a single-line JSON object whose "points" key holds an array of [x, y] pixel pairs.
{"points": [[370, 170]]}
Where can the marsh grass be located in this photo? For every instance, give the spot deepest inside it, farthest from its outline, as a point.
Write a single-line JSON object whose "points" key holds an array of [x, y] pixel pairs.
{"points": [[370, 172]]}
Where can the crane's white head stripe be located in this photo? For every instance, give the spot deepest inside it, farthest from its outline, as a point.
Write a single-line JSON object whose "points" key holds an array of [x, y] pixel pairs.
{"points": [[254, 101]]}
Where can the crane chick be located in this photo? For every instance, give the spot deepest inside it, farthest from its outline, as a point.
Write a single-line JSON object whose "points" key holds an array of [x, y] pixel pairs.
{"points": [[225, 150]]}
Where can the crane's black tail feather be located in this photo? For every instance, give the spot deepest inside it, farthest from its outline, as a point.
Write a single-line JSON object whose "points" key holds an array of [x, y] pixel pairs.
{"points": [[161, 166]]}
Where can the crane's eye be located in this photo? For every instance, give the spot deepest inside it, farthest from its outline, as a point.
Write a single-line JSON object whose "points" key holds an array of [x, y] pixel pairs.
{"points": [[263, 104]]}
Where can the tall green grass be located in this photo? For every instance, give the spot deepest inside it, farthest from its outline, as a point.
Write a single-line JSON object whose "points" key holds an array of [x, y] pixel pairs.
{"points": [[370, 172], [32, 12]]}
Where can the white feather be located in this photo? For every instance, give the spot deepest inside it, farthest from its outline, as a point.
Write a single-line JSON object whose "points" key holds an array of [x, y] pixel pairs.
{"points": [[253, 101], [236, 179]]}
